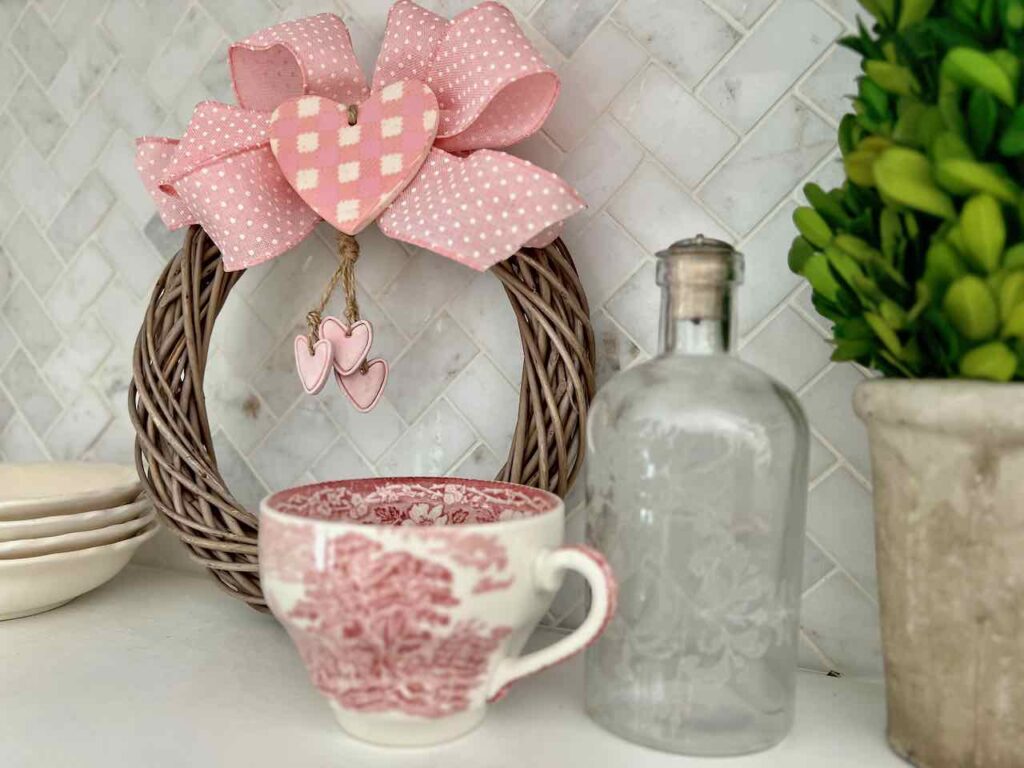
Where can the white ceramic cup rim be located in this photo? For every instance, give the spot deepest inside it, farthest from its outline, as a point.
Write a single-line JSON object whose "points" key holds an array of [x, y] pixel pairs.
{"points": [[556, 505]]}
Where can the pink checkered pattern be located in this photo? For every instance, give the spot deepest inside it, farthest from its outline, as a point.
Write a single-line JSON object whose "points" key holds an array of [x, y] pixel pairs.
{"points": [[350, 173]]}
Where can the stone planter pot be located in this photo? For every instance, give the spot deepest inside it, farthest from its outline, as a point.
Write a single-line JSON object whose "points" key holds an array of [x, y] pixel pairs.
{"points": [[948, 468]]}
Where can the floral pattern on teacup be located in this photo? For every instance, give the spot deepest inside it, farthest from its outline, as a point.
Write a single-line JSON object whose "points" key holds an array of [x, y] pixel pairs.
{"points": [[373, 648], [417, 501]]}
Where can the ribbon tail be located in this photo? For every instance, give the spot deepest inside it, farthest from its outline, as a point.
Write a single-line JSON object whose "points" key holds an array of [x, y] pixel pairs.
{"points": [[480, 209], [153, 155]]}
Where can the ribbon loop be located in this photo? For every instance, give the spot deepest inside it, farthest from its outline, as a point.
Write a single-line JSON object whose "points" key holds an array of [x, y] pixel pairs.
{"points": [[311, 56], [492, 86]]}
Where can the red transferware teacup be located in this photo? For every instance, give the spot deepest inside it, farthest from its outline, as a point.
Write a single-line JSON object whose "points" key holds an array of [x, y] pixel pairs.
{"points": [[410, 599]]}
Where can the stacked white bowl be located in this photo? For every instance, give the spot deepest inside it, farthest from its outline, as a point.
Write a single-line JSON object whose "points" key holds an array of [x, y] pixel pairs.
{"points": [[66, 528]]}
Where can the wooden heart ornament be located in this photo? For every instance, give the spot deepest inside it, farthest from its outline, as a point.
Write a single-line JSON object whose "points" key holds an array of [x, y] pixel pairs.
{"points": [[314, 367], [365, 386], [347, 173], [350, 343]]}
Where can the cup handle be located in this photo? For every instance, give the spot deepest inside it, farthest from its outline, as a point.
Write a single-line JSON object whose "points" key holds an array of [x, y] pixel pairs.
{"points": [[547, 571]]}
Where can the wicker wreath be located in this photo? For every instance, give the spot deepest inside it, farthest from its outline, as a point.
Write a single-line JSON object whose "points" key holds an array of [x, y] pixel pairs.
{"points": [[174, 449]]}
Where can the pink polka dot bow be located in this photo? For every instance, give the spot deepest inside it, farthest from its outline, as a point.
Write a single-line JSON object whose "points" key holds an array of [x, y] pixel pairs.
{"points": [[310, 141]]}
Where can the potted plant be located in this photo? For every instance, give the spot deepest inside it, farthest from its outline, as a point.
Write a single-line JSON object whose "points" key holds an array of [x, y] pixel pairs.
{"points": [[918, 260]]}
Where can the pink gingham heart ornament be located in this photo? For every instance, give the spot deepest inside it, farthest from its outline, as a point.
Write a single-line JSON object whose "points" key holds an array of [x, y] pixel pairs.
{"points": [[313, 368], [350, 173], [365, 387], [350, 344]]}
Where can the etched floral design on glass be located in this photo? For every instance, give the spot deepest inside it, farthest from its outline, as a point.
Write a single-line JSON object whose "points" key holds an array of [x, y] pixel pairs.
{"points": [[696, 484]]}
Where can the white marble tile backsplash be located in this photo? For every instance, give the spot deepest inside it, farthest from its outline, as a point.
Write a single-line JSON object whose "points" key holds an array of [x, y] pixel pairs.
{"points": [[769, 60], [675, 117]]}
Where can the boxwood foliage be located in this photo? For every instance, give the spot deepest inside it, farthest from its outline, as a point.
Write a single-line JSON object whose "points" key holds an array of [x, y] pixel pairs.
{"points": [[918, 258]]}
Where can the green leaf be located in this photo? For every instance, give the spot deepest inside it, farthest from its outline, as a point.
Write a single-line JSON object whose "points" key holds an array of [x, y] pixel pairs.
{"points": [[903, 176], [1013, 325], [982, 120], [886, 334], [812, 226], [910, 225], [942, 266], [855, 44], [940, 341], [952, 115], [893, 314], [910, 113], [950, 146], [929, 125], [1011, 294], [826, 308], [827, 206], [913, 11], [987, 16], [955, 237], [971, 308], [1013, 15], [890, 231], [852, 274], [852, 328], [971, 68], [874, 98], [984, 232], [853, 349], [819, 275], [897, 363], [850, 133], [964, 177], [860, 167], [1009, 63], [1011, 143], [861, 250], [923, 299], [994, 361], [1014, 257], [892, 78], [799, 252]]}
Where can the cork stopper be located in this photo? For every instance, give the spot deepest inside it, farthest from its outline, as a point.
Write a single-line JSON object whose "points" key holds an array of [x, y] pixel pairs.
{"points": [[699, 273]]}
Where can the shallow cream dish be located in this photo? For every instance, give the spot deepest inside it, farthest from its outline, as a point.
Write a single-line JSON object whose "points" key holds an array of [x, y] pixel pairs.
{"points": [[69, 542], [34, 528], [46, 489], [31, 585]]}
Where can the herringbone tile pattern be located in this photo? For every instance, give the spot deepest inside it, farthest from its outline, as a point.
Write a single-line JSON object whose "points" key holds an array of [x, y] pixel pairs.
{"points": [[676, 116]]}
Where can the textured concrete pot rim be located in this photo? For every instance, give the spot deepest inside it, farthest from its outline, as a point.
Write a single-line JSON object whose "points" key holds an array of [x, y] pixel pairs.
{"points": [[943, 405]]}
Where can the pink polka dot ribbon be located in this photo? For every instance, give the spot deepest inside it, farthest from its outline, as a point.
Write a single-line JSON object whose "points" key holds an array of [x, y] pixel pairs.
{"points": [[467, 201]]}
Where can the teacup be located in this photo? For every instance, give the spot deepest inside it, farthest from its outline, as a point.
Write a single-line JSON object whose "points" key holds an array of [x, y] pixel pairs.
{"points": [[410, 599]]}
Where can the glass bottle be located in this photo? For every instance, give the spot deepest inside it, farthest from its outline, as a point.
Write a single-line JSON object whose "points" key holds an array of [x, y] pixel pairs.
{"points": [[696, 479]]}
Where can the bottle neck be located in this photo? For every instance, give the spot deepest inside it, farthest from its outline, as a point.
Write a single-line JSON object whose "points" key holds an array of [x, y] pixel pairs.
{"points": [[685, 332]]}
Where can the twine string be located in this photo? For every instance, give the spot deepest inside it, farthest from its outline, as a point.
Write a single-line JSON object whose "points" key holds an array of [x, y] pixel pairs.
{"points": [[348, 255]]}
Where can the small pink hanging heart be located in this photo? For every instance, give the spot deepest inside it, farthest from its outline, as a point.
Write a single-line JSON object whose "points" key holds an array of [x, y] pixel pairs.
{"points": [[351, 344], [313, 368], [365, 387], [350, 173]]}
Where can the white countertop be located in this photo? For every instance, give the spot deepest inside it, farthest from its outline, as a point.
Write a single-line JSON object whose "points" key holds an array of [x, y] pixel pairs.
{"points": [[160, 669]]}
